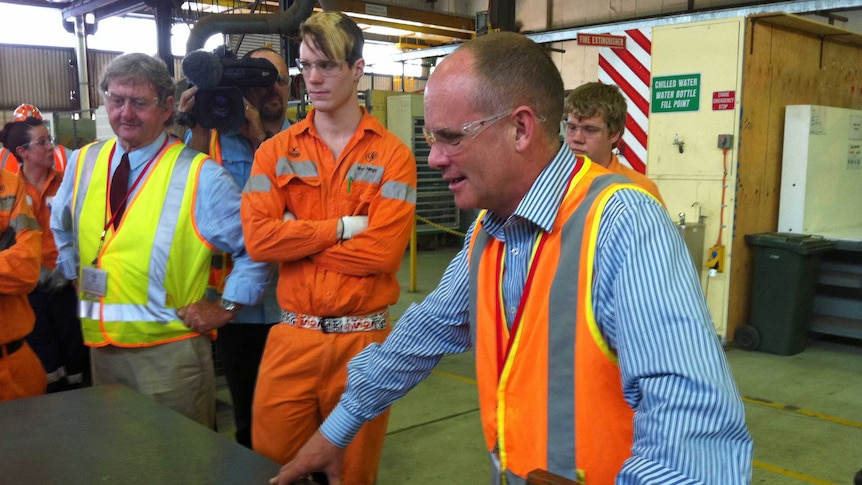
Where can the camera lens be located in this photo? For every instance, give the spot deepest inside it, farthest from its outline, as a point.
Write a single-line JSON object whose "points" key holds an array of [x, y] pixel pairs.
{"points": [[220, 106]]}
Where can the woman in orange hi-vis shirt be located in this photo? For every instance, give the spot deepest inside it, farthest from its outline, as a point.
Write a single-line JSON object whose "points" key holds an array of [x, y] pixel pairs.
{"points": [[9, 162], [21, 373], [56, 337]]}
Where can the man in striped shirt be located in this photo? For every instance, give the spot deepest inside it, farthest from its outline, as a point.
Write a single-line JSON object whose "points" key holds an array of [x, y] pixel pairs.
{"points": [[573, 277]]}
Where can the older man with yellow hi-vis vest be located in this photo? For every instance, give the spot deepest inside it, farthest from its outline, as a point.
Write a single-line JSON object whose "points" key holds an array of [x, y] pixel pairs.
{"points": [[136, 221]]}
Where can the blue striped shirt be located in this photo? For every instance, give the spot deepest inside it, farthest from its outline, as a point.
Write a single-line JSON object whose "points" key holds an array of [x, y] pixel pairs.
{"points": [[689, 424], [237, 158]]}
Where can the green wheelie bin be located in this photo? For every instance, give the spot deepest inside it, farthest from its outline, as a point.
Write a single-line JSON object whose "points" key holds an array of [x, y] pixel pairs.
{"points": [[782, 291]]}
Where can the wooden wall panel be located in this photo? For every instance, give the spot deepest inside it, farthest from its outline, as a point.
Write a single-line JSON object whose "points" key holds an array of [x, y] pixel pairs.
{"points": [[781, 67]]}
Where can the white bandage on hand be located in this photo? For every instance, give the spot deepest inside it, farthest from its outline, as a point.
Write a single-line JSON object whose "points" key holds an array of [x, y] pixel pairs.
{"points": [[353, 225]]}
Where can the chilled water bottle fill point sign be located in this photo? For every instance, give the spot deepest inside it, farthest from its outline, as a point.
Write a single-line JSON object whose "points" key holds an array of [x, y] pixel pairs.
{"points": [[672, 94]]}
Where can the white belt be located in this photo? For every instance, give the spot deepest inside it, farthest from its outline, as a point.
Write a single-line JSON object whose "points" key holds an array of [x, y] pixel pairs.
{"points": [[365, 323]]}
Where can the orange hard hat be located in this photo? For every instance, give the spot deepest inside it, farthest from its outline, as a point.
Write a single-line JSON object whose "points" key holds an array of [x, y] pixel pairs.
{"points": [[26, 111]]}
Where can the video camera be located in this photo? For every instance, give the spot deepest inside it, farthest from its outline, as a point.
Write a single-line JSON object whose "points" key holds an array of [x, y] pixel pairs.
{"points": [[222, 81]]}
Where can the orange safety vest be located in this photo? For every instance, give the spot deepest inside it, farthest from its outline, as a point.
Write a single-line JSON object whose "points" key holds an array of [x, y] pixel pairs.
{"points": [[9, 162], [221, 264], [550, 391]]}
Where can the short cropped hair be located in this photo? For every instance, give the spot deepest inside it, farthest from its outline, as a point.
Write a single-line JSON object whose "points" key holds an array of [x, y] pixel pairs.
{"points": [[513, 70]]}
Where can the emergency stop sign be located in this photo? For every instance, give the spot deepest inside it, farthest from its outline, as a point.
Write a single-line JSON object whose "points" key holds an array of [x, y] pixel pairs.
{"points": [[723, 100]]}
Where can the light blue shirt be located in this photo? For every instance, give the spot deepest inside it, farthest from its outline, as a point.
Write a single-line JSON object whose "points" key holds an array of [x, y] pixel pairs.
{"points": [[689, 418], [216, 216], [237, 159]]}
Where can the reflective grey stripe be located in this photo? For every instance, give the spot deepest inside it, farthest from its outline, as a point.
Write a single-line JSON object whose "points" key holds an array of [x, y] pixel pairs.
{"points": [[22, 221], [561, 332], [7, 155], [365, 173], [305, 168], [167, 227], [86, 169], [126, 312], [399, 191], [7, 202], [474, 257], [257, 183]]}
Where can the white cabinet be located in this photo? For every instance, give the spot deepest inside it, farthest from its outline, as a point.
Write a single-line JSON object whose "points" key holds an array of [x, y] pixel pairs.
{"points": [[435, 204]]}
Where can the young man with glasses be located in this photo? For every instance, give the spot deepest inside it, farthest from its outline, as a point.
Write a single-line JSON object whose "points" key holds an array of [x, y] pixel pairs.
{"points": [[331, 200], [148, 214], [594, 125], [596, 358], [240, 343]]}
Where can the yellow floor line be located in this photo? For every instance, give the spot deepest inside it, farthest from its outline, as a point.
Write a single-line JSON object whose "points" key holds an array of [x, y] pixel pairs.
{"points": [[454, 376], [803, 412], [759, 402], [792, 474]]}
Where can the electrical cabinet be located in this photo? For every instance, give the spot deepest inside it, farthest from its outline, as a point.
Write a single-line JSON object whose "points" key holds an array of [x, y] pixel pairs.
{"points": [[821, 174], [435, 204]]}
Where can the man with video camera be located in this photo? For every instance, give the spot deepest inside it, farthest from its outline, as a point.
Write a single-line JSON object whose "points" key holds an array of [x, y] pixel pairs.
{"points": [[240, 343]]}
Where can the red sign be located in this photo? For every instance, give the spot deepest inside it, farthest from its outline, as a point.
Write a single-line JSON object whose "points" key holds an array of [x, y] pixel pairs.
{"points": [[723, 100], [603, 40]]}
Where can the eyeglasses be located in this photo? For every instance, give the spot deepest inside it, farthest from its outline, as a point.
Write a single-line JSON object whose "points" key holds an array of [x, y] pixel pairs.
{"points": [[589, 131], [449, 139], [42, 142], [325, 67], [139, 104], [283, 80]]}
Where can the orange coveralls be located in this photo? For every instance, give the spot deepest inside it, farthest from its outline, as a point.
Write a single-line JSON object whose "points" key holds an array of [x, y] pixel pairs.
{"points": [[42, 210], [635, 176], [21, 372], [303, 371]]}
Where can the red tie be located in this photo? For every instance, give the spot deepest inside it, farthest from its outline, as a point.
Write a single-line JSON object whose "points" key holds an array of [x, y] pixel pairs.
{"points": [[119, 187]]}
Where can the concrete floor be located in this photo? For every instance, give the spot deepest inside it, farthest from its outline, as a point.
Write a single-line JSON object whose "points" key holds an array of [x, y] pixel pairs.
{"points": [[804, 411]]}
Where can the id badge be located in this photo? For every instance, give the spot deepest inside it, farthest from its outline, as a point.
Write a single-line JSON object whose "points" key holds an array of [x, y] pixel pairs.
{"points": [[94, 281]]}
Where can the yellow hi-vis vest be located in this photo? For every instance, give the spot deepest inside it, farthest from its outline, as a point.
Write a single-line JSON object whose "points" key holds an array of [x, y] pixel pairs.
{"points": [[550, 392], [156, 261]]}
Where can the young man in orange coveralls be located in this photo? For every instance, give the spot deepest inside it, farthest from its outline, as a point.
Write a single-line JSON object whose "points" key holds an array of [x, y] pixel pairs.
{"points": [[21, 372], [331, 199]]}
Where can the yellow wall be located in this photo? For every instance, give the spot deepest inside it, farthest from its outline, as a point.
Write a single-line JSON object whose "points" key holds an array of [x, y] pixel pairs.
{"points": [[712, 50]]}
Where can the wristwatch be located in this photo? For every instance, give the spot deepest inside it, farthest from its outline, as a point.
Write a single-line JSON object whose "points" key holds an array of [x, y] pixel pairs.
{"points": [[230, 306]]}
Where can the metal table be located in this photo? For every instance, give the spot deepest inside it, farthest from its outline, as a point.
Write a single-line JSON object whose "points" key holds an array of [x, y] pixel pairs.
{"points": [[112, 434]]}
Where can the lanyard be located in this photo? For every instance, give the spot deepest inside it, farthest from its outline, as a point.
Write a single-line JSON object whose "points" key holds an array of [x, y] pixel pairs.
{"points": [[505, 337], [126, 197]]}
